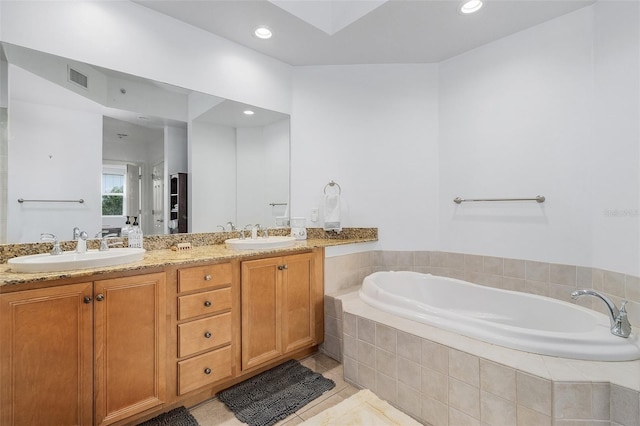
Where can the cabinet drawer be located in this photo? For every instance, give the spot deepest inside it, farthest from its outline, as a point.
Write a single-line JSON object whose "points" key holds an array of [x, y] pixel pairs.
{"points": [[204, 369], [204, 303], [200, 277], [203, 334]]}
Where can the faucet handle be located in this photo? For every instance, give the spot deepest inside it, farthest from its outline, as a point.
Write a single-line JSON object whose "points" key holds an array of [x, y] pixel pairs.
{"points": [[623, 309], [104, 245], [56, 244], [622, 327]]}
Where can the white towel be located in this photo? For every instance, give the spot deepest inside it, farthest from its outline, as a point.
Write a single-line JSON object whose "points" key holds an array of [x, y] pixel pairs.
{"points": [[332, 213]]}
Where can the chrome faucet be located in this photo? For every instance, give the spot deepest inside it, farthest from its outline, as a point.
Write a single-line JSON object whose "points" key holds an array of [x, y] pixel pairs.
{"points": [[56, 244], [232, 227], [254, 231], [617, 317], [104, 242], [81, 238], [242, 237]]}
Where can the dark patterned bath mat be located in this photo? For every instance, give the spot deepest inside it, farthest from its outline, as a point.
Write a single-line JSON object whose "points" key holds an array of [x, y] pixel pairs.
{"points": [[273, 395], [177, 417]]}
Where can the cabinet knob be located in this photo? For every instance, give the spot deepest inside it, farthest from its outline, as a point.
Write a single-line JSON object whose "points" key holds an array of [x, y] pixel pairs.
{"points": [[207, 303], [207, 371], [87, 299], [207, 334], [282, 267], [207, 277], [100, 297]]}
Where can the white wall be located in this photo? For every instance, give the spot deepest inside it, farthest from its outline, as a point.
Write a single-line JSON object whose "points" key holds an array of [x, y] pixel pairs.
{"points": [[127, 37], [262, 173], [373, 130], [552, 110], [277, 151], [616, 168], [251, 175], [60, 138], [212, 175], [516, 121]]}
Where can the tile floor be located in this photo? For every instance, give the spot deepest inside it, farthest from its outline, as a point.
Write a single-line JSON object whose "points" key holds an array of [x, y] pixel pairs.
{"points": [[215, 413]]}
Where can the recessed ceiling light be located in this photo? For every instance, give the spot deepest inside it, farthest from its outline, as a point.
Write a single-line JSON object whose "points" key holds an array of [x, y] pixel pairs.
{"points": [[263, 32], [248, 112], [470, 6]]}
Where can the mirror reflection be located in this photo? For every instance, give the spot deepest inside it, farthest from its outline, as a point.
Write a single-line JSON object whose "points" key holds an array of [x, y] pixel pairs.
{"points": [[89, 147]]}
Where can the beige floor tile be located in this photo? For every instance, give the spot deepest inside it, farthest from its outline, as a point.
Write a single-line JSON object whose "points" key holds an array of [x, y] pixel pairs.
{"points": [[292, 420], [214, 413]]}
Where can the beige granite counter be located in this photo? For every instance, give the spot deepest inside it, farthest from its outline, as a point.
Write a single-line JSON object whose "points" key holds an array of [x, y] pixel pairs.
{"points": [[162, 257]]}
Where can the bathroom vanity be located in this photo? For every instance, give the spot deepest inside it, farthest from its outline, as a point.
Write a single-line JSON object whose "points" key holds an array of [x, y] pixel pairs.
{"points": [[123, 345]]}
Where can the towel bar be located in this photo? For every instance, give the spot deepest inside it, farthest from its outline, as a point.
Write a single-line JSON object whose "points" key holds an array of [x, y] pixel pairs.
{"points": [[538, 198], [22, 200]]}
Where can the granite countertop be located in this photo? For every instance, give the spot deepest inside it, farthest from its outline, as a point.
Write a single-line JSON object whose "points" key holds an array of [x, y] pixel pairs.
{"points": [[166, 257]]}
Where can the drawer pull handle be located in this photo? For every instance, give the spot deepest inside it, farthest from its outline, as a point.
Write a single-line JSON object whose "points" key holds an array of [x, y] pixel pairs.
{"points": [[207, 335], [207, 303], [207, 371], [207, 277]]}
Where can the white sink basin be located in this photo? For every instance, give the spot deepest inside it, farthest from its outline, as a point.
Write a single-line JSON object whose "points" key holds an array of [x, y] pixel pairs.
{"points": [[259, 243], [71, 260]]}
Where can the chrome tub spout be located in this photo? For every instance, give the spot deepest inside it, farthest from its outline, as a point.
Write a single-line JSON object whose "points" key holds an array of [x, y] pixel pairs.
{"points": [[620, 325]]}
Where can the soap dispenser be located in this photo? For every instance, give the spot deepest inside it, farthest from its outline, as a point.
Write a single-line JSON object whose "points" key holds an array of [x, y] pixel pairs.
{"points": [[124, 232], [135, 235]]}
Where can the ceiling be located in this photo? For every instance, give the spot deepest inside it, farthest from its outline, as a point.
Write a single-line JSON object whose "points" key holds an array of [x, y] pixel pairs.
{"points": [[334, 32]]}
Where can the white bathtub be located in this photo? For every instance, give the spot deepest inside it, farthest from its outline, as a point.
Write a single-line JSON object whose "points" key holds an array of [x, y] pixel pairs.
{"points": [[515, 320]]}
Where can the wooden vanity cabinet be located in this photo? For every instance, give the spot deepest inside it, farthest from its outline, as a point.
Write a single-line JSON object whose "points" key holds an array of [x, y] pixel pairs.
{"points": [[205, 327], [82, 354], [46, 356], [116, 350], [282, 299], [129, 346]]}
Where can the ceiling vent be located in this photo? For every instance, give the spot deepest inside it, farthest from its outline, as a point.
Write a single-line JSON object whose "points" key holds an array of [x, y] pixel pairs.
{"points": [[78, 78]]}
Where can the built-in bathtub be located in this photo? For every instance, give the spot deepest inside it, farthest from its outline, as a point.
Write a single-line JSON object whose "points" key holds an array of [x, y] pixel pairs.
{"points": [[515, 320]]}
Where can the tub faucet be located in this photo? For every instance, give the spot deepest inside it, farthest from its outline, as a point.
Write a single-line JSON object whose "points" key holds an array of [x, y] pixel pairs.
{"points": [[617, 317]]}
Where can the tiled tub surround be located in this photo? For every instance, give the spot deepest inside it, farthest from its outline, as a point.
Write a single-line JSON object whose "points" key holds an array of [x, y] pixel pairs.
{"points": [[563, 391], [442, 378]]}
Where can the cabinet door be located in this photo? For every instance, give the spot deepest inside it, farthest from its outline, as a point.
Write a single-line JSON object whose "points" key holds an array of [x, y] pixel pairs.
{"points": [[130, 331], [261, 329], [298, 301], [46, 356]]}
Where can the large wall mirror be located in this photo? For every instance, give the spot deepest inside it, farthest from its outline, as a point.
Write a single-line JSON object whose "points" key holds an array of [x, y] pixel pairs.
{"points": [[88, 147]]}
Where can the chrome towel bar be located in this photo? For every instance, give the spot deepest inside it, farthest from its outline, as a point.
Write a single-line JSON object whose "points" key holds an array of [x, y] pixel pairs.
{"points": [[538, 198], [22, 200]]}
